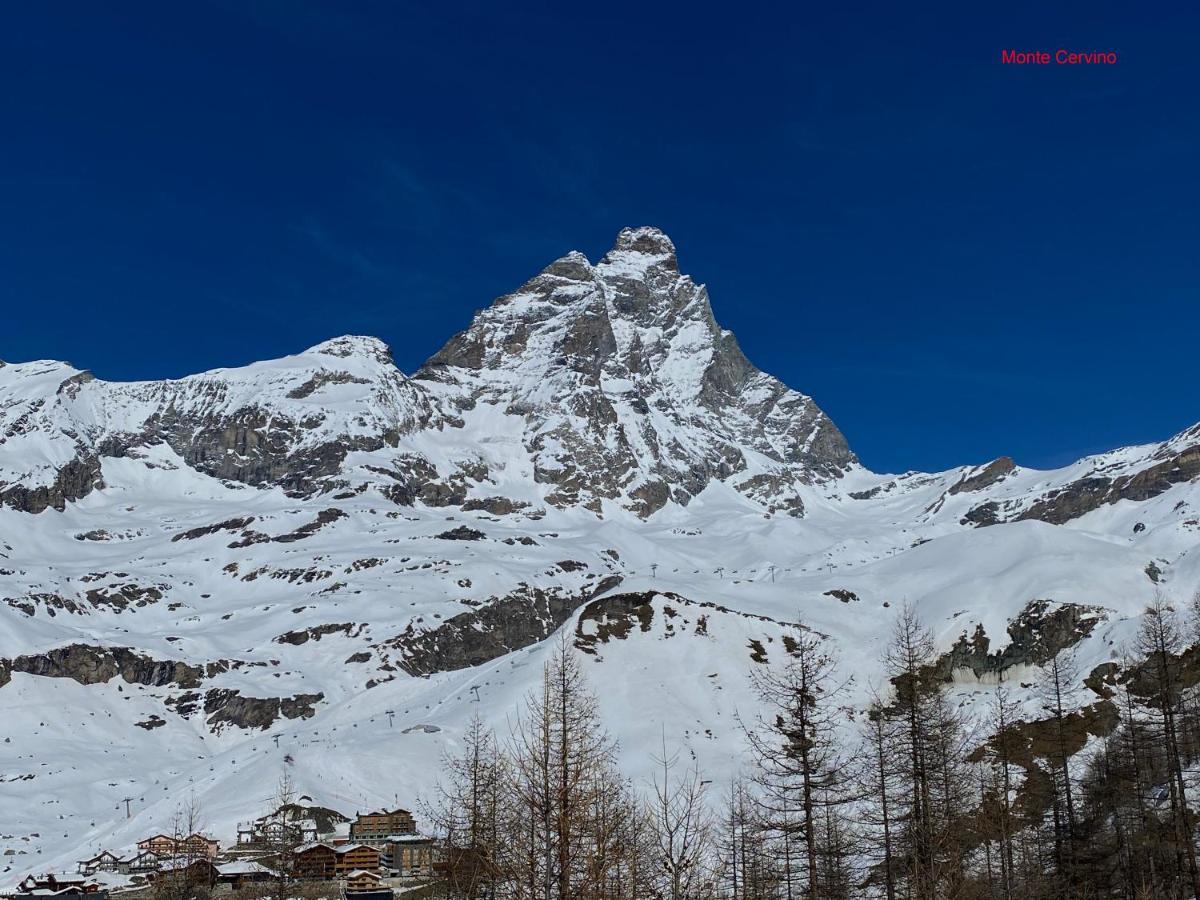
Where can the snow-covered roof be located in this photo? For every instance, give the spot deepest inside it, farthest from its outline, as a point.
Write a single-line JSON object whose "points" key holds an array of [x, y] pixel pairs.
{"points": [[244, 867]]}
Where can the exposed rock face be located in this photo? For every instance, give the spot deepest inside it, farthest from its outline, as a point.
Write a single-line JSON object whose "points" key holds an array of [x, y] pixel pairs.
{"points": [[316, 632], [506, 624], [629, 388], [121, 596], [1093, 492], [496, 506], [462, 533], [290, 422], [1037, 635], [984, 477], [90, 664], [324, 517], [229, 707], [203, 531], [984, 514], [75, 480], [613, 618]]}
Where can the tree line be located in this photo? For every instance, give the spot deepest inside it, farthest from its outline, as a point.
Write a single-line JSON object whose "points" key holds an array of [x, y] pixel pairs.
{"points": [[1055, 797]]}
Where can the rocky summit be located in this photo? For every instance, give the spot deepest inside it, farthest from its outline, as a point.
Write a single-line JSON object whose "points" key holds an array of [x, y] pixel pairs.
{"points": [[323, 563], [630, 390]]}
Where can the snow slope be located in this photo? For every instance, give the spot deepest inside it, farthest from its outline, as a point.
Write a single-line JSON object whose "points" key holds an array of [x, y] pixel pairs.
{"points": [[322, 560]]}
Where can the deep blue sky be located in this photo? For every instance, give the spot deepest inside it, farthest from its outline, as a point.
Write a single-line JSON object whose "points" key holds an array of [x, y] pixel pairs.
{"points": [[956, 258]]}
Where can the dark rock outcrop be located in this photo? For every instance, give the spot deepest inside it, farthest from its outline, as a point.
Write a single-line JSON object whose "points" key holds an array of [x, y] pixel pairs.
{"points": [[315, 633], [324, 517], [496, 506], [1040, 632], [462, 533], [75, 480], [505, 624], [89, 664], [983, 515], [1095, 491], [228, 525], [223, 706], [996, 470]]}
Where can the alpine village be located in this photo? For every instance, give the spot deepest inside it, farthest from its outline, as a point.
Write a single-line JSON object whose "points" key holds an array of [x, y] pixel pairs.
{"points": [[294, 851]]}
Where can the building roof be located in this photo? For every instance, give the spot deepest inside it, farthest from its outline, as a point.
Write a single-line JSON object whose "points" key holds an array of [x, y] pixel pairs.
{"points": [[166, 837], [413, 838], [346, 848], [360, 873], [175, 863], [46, 892], [103, 854], [244, 867]]}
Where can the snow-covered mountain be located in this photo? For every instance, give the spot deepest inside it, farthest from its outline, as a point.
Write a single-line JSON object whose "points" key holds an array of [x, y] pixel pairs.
{"points": [[320, 559]]}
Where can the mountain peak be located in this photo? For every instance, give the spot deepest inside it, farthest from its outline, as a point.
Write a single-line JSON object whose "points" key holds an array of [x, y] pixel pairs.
{"points": [[640, 248], [630, 389], [353, 345], [644, 239]]}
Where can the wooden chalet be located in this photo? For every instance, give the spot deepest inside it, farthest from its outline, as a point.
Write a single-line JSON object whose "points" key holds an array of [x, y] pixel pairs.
{"points": [[136, 863], [104, 861], [363, 885], [316, 861], [54, 885], [356, 856], [139, 863], [362, 880], [243, 872], [193, 846], [189, 871], [323, 861], [53, 881]]}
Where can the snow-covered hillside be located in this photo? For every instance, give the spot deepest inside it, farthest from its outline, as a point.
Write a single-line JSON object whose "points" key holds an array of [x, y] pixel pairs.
{"points": [[321, 563]]}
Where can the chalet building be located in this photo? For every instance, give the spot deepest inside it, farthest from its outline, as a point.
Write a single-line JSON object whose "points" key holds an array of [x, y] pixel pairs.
{"points": [[90, 891], [139, 863], [244, 872], [194, 846], [315, 862], [324, 861], [159, 844], [67, 887], [362, 880], [279, 827], [193, 871], [104, 861], [55, 881], [356, 856], [409, 855], [376, 827]]}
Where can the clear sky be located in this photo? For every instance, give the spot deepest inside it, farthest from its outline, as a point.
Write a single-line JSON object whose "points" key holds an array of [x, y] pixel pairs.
{"points": [[957, 258]]}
